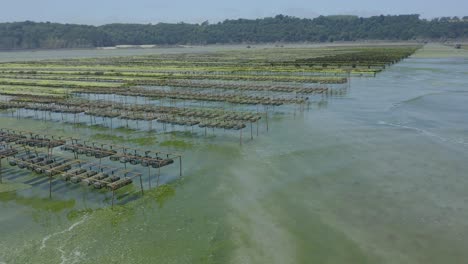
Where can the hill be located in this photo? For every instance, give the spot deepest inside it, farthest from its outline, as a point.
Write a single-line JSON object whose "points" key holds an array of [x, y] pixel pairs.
{"points": [[32, 35]]}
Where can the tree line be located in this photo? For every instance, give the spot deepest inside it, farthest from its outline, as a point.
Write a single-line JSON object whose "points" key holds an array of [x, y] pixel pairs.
{"points": [[32, 35]]}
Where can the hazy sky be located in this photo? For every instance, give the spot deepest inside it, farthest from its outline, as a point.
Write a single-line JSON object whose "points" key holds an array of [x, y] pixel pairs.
{"points": [[152, 11]]}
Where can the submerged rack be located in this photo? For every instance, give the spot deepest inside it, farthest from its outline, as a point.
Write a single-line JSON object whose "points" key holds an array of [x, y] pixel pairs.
{"points": [[16, 147], [197, 96], [189, 117], [123, 154]]}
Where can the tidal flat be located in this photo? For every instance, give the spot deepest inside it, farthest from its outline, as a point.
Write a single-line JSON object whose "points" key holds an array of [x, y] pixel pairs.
{"points": [[377, 175]]}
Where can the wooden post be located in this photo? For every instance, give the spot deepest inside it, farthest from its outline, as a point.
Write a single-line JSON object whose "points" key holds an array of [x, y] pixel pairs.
{"points": [[257, 127], [159, 174], [180, 166], [113, 194], [251, 131], [1, 178], [149, 175], [50, 186], [349, 79], [266, 113], [240, 138], [141, 185]]}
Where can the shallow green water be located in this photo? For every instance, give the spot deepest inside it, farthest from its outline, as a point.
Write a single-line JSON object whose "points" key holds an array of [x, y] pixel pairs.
{"points": [[378, 176]]}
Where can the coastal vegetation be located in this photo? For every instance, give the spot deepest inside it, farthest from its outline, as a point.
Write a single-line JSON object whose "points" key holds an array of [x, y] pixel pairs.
{"points": [[32, 35]]}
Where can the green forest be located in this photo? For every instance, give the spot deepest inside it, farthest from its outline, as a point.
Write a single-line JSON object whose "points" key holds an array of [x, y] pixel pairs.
{"points": [[46, 35]]}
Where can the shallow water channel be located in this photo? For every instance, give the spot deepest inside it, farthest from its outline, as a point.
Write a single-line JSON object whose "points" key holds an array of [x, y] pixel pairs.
{"points": [[376, 176]]}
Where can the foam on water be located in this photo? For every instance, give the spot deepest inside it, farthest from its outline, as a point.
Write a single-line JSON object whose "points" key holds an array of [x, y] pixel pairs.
{"points": [[73, 257], [46, 238], [426, 133]]}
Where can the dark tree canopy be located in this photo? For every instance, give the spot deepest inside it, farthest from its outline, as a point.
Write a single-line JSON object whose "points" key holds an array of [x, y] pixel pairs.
{"points": [[31, 35]]}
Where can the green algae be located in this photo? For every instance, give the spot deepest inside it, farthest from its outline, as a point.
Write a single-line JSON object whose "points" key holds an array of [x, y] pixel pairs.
{"points": [[45, 204], [99, 127], [176, 144], [108, 137], [12, 186], [163, 193], [176, 134], [76, 214], [143, 141], [124, 129], [140, 141]]}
